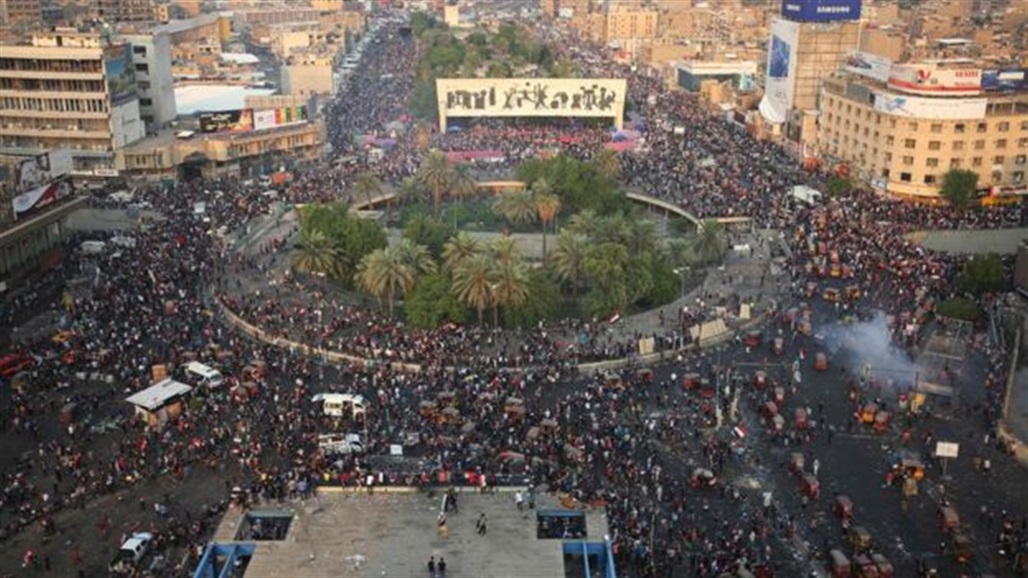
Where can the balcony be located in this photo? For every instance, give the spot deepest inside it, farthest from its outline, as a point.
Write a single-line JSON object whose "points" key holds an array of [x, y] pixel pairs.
{"points": [[53, 75], [55, 115], [55, 132]]}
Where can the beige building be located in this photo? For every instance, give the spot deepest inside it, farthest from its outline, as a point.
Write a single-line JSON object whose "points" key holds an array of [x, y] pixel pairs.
{"points": [[119, 11], [20, 12], [906, 146], [627, 26], [887, 42], [69, 90], [308, 74]]}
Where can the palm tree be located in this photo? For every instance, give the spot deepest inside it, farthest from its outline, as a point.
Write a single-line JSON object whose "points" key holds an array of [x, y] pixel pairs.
{"points": [[368, 186], [316, 255], [415, 256], [510, 288], [608, 164], [464, 184], [473, 283], [568, 257], [709, 244], [383, 273], [504, 251], [642, 235], [547, 205], [436, 174], [515, 206], [459, 249], [410, 190], [584, 223]]}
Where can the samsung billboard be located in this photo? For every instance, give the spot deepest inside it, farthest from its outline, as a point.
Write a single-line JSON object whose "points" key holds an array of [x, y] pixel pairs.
{"points": [[821, 10]]}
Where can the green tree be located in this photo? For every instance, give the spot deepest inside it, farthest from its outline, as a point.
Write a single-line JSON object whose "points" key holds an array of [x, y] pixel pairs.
{"points": [[460, 249], [367, 186], [423, 229], [437, 175], [504, 251], [411, 191], [982, 274], [568, 259], [415, 256], [517, 207], [585, 223], [432, 303], [544, 302], [464, 186], [960, 308], [384, 274], [709, 243], [510, 287], [547, 205], [839, 186], [473, 283], [606, 268], [608, 163], [958, 187], [316, 255]]}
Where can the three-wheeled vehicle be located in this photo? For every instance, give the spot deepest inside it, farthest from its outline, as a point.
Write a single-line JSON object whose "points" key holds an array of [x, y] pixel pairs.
{"points": [[844, 507], [778, 345], [885, 569], [864, 567], [760, 379], [949, 520], [778, 395], [927, 567], [691, 381], [963, 547], [777, 423], [797, 462], [860, 538], [802, 422], [868, 412], [769, 410], [882, 421], [702, 478], [810, 487], [821, 361], [853, 292], [831, 295], [839, 564], [752, 339]]}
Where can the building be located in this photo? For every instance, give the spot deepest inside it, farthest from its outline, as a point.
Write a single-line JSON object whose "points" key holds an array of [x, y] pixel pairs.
{"points": [[692, 73], [283, 16], [120, 11], [393, 531], [69, 90], [151, 56], [628, 27], [902, 139], [159, 403], [308, 74], [26, 12]]}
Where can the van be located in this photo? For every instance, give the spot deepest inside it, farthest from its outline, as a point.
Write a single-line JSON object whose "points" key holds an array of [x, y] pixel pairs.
{"points": [[341, 444], [131, 552], [202, 375], [342, 404]]}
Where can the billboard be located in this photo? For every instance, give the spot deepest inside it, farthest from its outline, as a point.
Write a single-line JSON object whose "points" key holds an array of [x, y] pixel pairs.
{"points": [[276, 117], [821, 10], [1007, 80], [582, 97], [39, 198], [927, 78], [930, 108], [780, 84], [40, 169], [870, 65], [237, 120], [120, 73]]}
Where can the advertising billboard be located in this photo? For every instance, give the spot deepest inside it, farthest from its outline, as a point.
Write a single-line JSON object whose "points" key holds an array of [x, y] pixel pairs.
{"points": [[120, 73], [927, 78], [821, 10], [1006, 80], [780, 84], [39, 198], [870, 65], [40, 169], [277, 117], [565, 97], [930, 108], [237, 120]]}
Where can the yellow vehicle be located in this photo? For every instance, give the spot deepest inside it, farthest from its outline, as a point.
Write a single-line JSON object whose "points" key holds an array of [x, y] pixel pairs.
{"points": [[831, 295]]}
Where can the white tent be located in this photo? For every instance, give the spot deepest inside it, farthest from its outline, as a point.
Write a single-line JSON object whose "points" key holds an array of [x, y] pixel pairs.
{"points": [[805, 194]]}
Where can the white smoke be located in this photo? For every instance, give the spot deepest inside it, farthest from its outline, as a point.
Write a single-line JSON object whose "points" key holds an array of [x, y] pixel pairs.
{"points": [[869, 343]]}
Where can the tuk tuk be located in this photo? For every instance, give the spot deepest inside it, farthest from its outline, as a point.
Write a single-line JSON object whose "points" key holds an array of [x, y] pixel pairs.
{"points": [[778, 346], [770, 409], [963, 548], [821, 361], [69, 413], [865, 567], [645, 375], [801, 418], [843, 507], [777, 423], [882, 421], [885, 569], [949, 520], [910, 465], [839, 564], [860, 538], [853, 292], [810, 487], [513, 412], [706, 389], [778, 395], [831, 295], [548, 427], [868, 412], [252, 372], [811, 289], [702, 478], [806, 327], [691, 381], [752, 338], [927, 567], [449, 416], [427, 409], [797, 462], [835, 270], [847, 272], [446, 398], [513, 404], [760, 379]]}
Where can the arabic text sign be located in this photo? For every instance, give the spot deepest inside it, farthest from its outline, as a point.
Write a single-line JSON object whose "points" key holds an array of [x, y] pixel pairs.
{"points": [[586, 97], [930, 108]]}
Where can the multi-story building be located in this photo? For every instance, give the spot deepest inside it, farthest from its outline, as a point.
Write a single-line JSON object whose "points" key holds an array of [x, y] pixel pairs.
{"points": [[631, 26], [119, 11], [20, 12], [151, 57], [307, 74], [69, 90], [903, 140], [283, 16]]}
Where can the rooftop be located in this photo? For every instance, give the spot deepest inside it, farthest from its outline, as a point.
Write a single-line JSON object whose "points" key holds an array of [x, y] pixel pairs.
{"points": [[355, 535], [158, 394], [193, 98]]}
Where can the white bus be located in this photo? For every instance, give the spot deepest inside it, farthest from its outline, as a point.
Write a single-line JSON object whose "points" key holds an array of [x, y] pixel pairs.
{"points": [[199, 374], [340, 404]]}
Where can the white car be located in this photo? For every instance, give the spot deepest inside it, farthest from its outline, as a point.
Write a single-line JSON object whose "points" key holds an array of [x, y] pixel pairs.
{"points": [[341, 444], [132, 551]]}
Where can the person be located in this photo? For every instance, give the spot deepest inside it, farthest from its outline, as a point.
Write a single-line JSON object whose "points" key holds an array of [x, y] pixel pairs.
{"points": [[480, 524], [442, 566], [442, 530], [519, 500], [431, 566]]}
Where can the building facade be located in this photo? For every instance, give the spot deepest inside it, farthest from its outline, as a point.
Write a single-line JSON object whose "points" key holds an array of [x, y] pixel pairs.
{"points": [[69, 90], [904, 144], [118, 11], [151, 57], [307, 75], [13, 12]]}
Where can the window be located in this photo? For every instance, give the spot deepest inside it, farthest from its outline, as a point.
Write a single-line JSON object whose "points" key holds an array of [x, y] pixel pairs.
{"points": [[912, 126], [145, 102], [1003, 126], [142, 67], [1001, 143], [934, 145], [143, 85], [1020, 159], [892, 123], [929, 179], [982, 127], [140, 50], [1024, 125], [976, 162], [957, 145], [888, 157], [979, 145], [932, 162], [959, 128], [955, 163], [998, 160], [997, 176], [889, 140], [908, 160], [905, 177], [1022, 143], [936, 127], [1018, 177], [885, 173], [909, 143]]}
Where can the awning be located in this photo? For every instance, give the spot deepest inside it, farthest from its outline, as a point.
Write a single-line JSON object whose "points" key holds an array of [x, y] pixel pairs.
{"points": [[770, 113]]}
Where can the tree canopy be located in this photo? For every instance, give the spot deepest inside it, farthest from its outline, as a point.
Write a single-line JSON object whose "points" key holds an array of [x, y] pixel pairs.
{"points": [[958, 187]]}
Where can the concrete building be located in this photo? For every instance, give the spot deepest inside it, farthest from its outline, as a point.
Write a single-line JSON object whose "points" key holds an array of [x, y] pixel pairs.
{"points": [[25, 12], [151, 55], [283, 16], [692, 73], [628, 26], [904, 144], [69, 90], [308, 74], [888, 42], [120, 11]]}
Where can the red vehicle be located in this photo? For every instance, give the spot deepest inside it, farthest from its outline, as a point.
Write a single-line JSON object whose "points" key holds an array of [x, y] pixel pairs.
{"points": [[810, 487], [778, 395], [885, 569], [865, 567], [760, 380], [843, 507], [801, 418], [752, 339], [840, 564], [14, 363], [691, 381]]}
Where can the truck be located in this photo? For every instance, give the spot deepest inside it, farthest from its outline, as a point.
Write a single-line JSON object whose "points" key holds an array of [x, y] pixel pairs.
{"points": [[131, 552]]}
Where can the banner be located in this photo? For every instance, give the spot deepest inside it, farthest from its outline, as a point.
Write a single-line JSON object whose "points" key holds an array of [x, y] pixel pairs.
{"points": [[585, 97], [120, 73], [821, 10], [39, 198], [39, 170], [238, 120], [869, 65], [276, 117], [1009, 80], [930, 108], [780, 83], [929, 79]]}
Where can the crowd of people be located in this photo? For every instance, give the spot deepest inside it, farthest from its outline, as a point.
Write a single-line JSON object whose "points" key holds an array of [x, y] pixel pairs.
{"points": [[157, 303]]}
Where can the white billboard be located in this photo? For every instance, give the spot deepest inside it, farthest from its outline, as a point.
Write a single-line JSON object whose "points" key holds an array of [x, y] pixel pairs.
{"points": [[870, 65], [930, 108], [39, 170], [928, 78], [780, 81]]}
